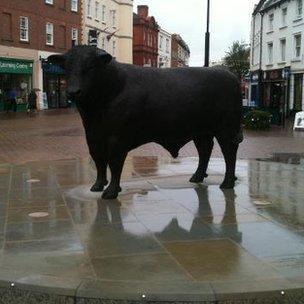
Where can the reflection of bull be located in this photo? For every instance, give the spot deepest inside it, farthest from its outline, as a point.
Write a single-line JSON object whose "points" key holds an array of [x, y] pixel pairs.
{"points": [[123, 107]]}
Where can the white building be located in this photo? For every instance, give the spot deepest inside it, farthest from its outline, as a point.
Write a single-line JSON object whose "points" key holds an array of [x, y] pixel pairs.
{"points": [[277, 61], [164, 49], [113, 21]]}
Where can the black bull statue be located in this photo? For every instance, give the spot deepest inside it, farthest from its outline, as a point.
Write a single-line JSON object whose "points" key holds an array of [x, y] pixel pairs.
{"points": [[124, 106]]}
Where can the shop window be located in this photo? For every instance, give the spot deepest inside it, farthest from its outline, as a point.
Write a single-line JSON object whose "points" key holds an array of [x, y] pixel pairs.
{"points": [[49, 33], [74, 37], [74, 5], [24, 29]]}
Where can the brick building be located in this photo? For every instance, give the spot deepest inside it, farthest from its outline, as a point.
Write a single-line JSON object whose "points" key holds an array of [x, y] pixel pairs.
{"points": [[180, 52], [145, 38], [31, 30]]}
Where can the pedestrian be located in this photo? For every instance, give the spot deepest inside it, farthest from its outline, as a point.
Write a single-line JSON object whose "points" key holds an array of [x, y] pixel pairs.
{"points": [[32, 102], [12, 100]]}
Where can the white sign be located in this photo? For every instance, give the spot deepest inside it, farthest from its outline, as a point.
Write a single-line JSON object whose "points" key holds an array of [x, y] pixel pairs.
{"points": [[299, 121]]}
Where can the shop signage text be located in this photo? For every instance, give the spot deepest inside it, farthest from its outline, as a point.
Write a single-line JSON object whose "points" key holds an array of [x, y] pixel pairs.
{"points": [[13, 66]]}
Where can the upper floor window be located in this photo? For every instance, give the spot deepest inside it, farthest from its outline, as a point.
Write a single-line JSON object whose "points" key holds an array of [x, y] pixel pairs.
{"points": [[161, 42], [284, 16], [270, 52], [283, 49], [297, 45], [49, 1], [114, 48], [96, 10], [113, 17], [24, 29], [89, 8], [167, 45], [74, 5], [103, 43], [74, 35], [270, 22], [49, 33], [299, 8], [103, 13]]}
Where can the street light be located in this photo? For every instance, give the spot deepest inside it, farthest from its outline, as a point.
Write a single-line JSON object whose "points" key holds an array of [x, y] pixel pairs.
{"points": [[207, 36]]}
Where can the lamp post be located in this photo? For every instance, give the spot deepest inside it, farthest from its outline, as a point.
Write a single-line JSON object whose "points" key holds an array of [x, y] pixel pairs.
{"points": [[207, 36]]}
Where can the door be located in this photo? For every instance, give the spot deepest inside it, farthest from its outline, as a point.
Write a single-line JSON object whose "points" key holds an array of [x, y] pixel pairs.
{"points": [[298, 92]]}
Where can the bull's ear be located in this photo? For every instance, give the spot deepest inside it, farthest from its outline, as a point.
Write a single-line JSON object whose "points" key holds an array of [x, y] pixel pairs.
{"points": [[57, 59], [104, 56]]}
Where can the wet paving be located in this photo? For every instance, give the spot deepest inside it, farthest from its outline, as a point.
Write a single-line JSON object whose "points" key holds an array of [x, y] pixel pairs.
{"points": [[162, 236]]}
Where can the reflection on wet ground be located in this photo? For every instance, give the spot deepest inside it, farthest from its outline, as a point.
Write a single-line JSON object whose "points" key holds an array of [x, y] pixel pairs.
{"points": [[161, 232]]}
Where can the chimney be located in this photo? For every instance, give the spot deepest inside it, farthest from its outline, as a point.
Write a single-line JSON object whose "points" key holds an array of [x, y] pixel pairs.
{"points": [[143, 11]]}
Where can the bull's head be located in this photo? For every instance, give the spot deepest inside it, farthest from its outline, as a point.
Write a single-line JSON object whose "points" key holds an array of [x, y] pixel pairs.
{"points": [[83, 64]]}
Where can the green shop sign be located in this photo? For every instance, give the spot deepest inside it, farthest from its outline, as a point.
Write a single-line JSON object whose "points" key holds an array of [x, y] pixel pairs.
{"points": [[15, 66]]}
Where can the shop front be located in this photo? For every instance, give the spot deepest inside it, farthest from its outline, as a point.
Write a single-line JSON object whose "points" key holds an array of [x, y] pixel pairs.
{"points": [[54, 87], [275, 94], [16, 78], [255, 88]]}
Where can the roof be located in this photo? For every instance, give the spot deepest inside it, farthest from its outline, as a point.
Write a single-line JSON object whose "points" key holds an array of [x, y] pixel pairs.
{"points": [[265, 5]]}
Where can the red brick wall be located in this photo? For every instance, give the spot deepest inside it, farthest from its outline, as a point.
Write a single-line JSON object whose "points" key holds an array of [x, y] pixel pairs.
{"points": [[38, 13], [143, 51], [174, 53]]}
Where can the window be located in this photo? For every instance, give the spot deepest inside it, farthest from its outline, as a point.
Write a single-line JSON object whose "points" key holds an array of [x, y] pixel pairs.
{"points": [[167, 45], [283, 49], [103, 13], [24, 29], [74, 35], [49, 33], [299, 8], [297, 44], [113, 16], [96, 10], [161, 42], [89, 8], [49, 1], [114, 48], [284, 16], [270, 52], [103, 43], [74, 5], [270, 19]]}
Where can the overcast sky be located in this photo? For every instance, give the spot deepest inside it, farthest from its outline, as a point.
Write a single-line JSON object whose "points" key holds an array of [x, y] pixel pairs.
{"points": [[230, 21]]}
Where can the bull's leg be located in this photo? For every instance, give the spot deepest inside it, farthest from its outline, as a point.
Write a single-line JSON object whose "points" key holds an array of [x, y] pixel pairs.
{"points": [[101, 180], [229, 147], [116, 164], [204, 147]]}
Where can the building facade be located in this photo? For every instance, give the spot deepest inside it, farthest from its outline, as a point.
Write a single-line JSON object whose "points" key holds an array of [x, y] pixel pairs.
{"points": [[180, 52], [109, 25], [28, 35], [277, 62], [164, 49], [145, 38]]}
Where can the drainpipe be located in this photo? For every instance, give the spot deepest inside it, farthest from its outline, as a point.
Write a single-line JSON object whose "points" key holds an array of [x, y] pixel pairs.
{"points": [[261, 56]]}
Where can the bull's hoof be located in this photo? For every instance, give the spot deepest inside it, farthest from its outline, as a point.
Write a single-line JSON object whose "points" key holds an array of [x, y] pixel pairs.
{"points": [[198, 178], [228, 184], [99, 186], [111, 193]]}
